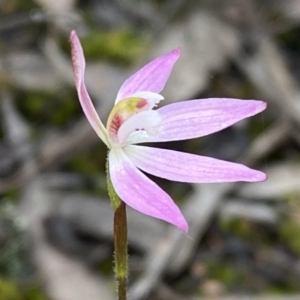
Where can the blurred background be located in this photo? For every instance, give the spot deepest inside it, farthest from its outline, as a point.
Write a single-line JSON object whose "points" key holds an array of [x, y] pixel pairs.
{"points": [[55, 217]]}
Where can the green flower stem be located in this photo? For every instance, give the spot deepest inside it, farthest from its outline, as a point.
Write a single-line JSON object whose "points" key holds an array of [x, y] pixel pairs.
{"points": [[121, 256], [120, 241]]}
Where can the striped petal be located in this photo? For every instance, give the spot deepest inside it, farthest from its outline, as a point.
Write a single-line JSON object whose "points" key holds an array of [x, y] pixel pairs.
{"points": [[88, 108], [196, 118], [151, 78], [184, 167], [140, 193]]}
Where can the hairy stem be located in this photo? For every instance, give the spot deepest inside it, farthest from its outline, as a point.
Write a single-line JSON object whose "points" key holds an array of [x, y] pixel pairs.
{"points": [[120, 240], [121, 256]]}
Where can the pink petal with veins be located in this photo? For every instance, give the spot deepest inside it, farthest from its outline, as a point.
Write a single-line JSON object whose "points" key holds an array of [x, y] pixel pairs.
{"points": [[88, 108], [196, 118], [150, 78], [140, 193], [185, 167]]}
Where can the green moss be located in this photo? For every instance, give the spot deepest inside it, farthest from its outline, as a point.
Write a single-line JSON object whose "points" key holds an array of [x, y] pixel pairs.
{"points": [[67, 110], [25, 5], [237, 227], [57, 108], [9, 290], [246, 230], [228, 275], [91, 162], [12, 195], [289, 231], [33, 293], [225, 273], [290, 234], [121, 46], [277, 291], [106, 267]]}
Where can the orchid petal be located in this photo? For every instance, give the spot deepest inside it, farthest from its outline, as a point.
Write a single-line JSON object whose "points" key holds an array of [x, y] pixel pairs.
{"points": [[151, 78], [148, 121], [140, 193], [185, 167], [88, 108], [196, 118]]}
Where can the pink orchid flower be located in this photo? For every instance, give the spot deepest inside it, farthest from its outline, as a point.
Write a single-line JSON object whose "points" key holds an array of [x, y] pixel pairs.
{"points": [[133, 121]]}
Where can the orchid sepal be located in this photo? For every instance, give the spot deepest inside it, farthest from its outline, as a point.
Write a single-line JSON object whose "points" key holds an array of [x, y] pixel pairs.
{"points": [[78, 62]]}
